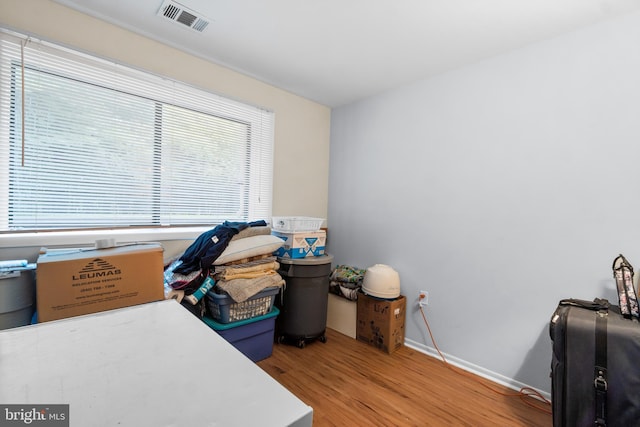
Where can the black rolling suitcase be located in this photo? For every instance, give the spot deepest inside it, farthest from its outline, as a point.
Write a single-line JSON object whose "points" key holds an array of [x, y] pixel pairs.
{"points": [[595, 368]]}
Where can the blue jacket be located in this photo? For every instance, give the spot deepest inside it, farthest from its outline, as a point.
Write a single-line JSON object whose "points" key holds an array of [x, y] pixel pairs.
{"points": [[210, 245]]}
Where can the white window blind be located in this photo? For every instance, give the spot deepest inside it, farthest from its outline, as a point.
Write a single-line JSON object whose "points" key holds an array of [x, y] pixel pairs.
{"points": [[109, 146]]}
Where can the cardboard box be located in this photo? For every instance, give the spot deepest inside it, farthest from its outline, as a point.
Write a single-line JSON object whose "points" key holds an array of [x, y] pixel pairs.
{"points": [[381, 322], [301, 245], [74, 282], [342, 315]]}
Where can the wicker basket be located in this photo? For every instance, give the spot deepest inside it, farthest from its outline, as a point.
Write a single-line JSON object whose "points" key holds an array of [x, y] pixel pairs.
{"points": [[223, 309]]}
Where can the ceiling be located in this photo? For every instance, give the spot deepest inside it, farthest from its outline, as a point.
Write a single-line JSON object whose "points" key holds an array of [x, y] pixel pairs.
{"points": [[338, 51]]}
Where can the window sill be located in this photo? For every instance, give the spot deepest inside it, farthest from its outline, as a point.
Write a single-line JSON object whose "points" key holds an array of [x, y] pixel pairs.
{"points": [[88, 238]]}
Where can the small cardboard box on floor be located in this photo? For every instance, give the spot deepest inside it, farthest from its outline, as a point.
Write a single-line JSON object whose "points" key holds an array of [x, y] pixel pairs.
{"points": [[74, 282], [380, 323]]}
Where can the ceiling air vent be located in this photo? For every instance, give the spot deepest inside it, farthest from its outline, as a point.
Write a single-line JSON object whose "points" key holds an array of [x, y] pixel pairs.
{"points": [[180, 14]]}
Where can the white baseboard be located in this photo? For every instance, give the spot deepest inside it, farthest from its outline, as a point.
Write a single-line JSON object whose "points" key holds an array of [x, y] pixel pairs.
{"points": [[474, 369]]}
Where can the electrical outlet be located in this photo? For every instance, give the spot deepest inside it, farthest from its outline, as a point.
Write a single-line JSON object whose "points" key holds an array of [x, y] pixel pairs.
{"points": [[423, 298]]}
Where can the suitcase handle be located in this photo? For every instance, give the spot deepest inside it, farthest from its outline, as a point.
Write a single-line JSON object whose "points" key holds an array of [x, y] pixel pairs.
{"points": [[623, 275], [623, 263], [596, 305]]}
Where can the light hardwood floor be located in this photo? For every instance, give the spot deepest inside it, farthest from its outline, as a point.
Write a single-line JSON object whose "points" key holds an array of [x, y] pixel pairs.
{"points": [[349, 383]]}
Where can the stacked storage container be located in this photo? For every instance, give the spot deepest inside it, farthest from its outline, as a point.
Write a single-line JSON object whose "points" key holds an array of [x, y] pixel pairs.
{"points": [[302, 236], [306, 268], [248, 325], [240, 307], [252, 336], [228, 278]]}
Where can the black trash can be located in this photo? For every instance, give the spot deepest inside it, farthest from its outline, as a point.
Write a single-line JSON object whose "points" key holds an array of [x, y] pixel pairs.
{"points": [[303, 300]]}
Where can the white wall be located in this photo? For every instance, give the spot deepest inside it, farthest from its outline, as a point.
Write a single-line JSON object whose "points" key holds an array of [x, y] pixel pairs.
{"points": [[301, 127], [500, 188]]}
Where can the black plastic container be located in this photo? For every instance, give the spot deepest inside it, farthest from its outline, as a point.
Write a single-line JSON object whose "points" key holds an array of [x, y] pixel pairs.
{"points": [[303, 301]]}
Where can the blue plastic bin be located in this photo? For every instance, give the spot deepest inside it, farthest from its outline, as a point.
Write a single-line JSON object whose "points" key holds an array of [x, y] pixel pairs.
{"points": [[253, 337]]}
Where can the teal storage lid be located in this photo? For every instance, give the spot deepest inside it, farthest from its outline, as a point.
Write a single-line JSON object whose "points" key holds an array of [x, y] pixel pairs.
{"points": [[224, 326]]}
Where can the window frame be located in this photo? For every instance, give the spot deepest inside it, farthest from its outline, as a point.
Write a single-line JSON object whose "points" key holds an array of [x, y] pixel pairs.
{"points": [[260, 163]]}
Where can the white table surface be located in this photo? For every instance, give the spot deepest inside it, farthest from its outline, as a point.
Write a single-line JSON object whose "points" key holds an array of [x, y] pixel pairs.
{"points": [[150, 365]]}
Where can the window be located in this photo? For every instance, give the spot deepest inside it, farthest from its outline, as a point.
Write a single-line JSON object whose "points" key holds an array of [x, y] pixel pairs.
{"points": [[100, 145]]}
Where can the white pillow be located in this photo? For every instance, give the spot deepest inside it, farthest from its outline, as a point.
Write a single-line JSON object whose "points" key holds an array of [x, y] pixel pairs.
{"points": [[249, 247]]}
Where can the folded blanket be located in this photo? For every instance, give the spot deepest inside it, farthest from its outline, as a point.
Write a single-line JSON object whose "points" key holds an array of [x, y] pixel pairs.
{"points": [[242, 289], [345, 281], [347, 273], [248, 272], [252, 265], [252, 231], [256, 258]]}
